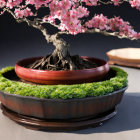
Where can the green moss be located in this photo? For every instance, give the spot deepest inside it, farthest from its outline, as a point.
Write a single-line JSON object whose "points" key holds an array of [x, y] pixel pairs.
{"points": [[64, 91]]}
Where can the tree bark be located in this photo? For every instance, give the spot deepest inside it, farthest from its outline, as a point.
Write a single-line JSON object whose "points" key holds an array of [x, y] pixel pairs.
{"points": [[60, 59]]}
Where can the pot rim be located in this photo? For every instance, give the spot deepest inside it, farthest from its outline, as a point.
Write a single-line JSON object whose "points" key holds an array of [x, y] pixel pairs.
{"points": [[66, 100], [68, 71]]}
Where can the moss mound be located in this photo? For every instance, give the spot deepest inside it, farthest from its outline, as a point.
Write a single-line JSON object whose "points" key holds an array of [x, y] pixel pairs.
{"points": [[64, 91]]}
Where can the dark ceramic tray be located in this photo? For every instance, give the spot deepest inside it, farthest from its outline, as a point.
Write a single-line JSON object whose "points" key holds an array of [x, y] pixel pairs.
{"points": [[58, 125], [59, 108]]}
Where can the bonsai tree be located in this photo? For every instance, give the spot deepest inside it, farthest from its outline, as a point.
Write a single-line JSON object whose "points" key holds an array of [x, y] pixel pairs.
{"points": [[69, 17]]}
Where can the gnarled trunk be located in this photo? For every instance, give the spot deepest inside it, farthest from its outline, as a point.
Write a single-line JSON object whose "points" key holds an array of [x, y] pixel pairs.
{"points": [[60, 59]]}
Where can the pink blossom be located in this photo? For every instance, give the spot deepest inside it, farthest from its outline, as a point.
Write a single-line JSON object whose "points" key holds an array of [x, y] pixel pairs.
{"points": [[51, 19], [13, 3], [10, 4], [135, 3], [37, 3], [28, 12], [98, 21], [65, 4], [82, 11], [2, 3], [54, 8], [19, 13]]}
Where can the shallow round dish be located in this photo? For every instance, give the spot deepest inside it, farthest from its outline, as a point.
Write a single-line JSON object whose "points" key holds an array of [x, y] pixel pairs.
{"points": [[130, 55], [61, 77]]}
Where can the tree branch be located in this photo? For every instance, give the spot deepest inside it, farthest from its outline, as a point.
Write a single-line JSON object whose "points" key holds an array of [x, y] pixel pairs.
{"points": [[2, 12], [105, 3], [62, 32], [95, 30], [111, 2], [116, 34]]}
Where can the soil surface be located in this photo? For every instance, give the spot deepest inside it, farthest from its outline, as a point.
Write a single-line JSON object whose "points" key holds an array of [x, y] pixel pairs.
{"points": [[54, 64]]}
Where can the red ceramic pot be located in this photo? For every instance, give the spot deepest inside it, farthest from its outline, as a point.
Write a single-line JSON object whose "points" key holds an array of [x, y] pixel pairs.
{"points": [[61, 77]]}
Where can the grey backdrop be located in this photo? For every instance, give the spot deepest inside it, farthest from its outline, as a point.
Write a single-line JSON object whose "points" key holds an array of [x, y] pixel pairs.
{"points": [[18, 41]]}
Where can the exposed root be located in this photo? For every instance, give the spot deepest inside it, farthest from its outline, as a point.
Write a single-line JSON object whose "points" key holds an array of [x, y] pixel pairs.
{"points": [[55, 62]]}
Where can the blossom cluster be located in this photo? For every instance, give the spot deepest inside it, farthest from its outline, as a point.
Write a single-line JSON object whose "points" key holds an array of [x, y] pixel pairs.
{"points": [[135, 3], [10, 3], [2, 3], [114, 24], [71, 13], [23, 13]]}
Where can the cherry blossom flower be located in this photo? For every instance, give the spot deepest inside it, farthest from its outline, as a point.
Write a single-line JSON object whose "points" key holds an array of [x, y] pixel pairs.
{"points": [[19, 13], [2, 3], [98, 21], [135, 3], [28, 12]]}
